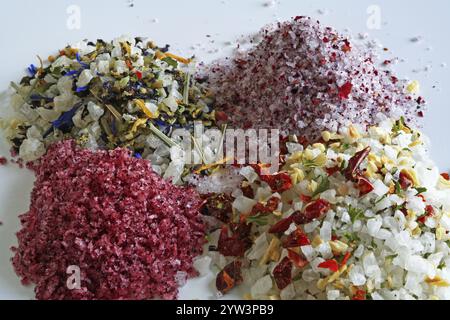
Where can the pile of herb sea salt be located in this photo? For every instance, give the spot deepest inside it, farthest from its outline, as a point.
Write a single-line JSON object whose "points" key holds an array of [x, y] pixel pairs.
{"points": [[126, 93], [303, 78]]}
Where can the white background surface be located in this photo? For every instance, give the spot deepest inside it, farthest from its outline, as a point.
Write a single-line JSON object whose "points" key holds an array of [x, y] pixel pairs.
{"points": [[40, 27]]}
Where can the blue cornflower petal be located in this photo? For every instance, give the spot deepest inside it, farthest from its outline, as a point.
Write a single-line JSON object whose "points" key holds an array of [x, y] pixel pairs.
{"points": [[72, 73], [81, 89], [32, 69], [84, 65], [138, 155]]}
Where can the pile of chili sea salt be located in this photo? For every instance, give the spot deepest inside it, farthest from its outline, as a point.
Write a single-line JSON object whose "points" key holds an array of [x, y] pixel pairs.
{"points": [[303, 78], [132, 234]]}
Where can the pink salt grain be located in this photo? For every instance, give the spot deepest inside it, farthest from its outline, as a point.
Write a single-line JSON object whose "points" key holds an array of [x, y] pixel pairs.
{"points": [[303, 78], [129, 231]]}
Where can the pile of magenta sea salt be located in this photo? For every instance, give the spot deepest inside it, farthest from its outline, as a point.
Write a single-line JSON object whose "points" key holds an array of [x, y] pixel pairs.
{"points": [[303, 78], [132, 234]]}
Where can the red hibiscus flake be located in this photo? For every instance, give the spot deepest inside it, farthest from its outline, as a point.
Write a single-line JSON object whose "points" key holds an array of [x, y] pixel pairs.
{"points": [[283, 273]]}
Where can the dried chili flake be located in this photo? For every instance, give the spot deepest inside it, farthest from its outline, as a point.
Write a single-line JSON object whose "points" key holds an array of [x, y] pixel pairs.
{"points": [[218, 206], [354, 163], [345, 90], [404, 181], [138, 75], [238, 242], [359, 295], [305, 198], [313, 210], [331, 265], [347, 256], [279, 182], [296, 239], [332, 170], [364, 186], [282, 225], [446, 176], [297, 259], [229, 277], [283, 273]]}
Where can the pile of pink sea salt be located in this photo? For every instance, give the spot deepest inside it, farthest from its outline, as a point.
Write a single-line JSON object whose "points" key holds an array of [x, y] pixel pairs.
{"points": [[304, 78], [132, 234]]}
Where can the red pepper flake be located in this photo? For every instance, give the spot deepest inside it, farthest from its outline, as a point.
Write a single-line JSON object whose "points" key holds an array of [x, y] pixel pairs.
{"points": [[331, 265], [305, 198], [282, 225], [239, 241], [313, 210], [446, 176], [139, 75], [3, 161], [364, 186], [345, 90], [296, 239], [279, 182], [333, 170], [359, 295], [346, 258], [229, 277], [346, 47], [297, 259], [353, 164], [283, 273], [387, 62], [218, 206], [405, 181]]}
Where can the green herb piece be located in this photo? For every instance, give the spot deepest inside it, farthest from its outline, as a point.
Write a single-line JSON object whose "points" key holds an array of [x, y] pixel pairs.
{"points": [[355, 213], [161, 135], [171, 62], [323, 186], [187, 84], [259, 219], [351, 237], [420, 190]]}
